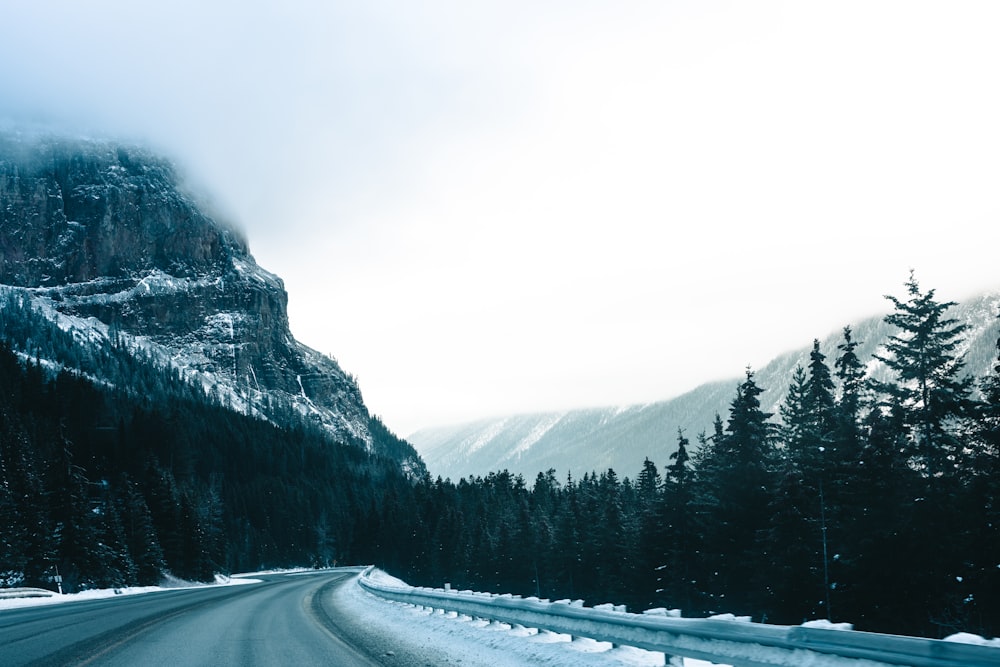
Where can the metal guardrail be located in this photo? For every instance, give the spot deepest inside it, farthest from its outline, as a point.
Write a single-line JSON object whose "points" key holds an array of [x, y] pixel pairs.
{"points": [[732, 642], [10, 593]]}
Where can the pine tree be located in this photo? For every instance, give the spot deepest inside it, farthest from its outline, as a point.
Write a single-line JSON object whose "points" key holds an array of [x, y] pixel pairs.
{"points": [[934, 397], [851, 373], [735, 478], [796, 421], [568, 558], [848, 488], [797, 535], [794, 582], [676, 527], [820, 401], [882, 555], [930, 384], [981, 507], [650, 538], [140, 535]]}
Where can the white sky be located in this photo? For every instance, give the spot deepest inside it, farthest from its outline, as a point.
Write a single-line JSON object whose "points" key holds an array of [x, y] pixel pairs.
{"points": [[490, 207]]}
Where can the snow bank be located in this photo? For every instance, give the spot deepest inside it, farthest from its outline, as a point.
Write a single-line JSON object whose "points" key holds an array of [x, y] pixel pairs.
{"points": [[480, 642], [824, 624], [169, 583], [967, 638]]}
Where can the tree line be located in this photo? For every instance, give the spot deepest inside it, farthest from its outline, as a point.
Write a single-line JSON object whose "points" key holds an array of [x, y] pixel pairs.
{"points": [[107, 487], [863, 500]]}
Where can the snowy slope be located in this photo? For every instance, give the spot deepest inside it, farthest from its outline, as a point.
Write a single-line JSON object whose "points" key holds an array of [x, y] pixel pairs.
{"points": [[105, 242], [581, 441]]}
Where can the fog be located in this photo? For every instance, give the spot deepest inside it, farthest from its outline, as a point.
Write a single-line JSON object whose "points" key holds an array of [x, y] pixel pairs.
{"points": [[493, 207]]}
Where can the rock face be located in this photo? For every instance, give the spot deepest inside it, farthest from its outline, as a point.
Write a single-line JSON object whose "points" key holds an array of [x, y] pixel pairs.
{"points": [[74, 212], [105, 238]]}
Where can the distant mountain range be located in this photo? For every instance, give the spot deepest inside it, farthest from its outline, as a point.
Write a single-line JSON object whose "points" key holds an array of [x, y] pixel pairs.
{"points": [[581, 441]]}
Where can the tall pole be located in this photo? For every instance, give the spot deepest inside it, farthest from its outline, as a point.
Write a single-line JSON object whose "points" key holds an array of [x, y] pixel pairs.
{"points": [[826, 561]]}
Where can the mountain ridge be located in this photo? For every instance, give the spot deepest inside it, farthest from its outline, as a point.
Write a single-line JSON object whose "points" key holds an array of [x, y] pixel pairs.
{"points": [[620, 437]]}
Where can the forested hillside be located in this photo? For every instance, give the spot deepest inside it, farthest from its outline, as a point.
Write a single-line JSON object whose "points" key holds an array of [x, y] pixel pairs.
{"points": [[121, 480], [867, 500]]}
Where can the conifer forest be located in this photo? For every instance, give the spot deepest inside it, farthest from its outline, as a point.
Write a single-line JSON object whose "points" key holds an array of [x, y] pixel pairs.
{"points": [[871, 501]]}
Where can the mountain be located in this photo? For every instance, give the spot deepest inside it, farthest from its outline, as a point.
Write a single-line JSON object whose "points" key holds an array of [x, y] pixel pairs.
{"points": [[157, 417], [581, 441], [105, 241]]}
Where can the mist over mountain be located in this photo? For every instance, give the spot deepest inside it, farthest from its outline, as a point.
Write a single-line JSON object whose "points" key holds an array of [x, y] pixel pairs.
{"points": [[589, 440], [105, 240]]}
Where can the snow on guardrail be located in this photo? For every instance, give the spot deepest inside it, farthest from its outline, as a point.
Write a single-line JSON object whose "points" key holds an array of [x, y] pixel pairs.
{"points": [[727, 640], [12, 593]]}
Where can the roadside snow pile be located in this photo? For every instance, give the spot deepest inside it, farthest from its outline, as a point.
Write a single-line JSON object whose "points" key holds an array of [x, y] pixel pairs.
{"points": [[289, 570], [480, 642], [730, 617], [968, 638], [55, 598], [169, 583], [10, 593], [385, 579], [824, 624]]}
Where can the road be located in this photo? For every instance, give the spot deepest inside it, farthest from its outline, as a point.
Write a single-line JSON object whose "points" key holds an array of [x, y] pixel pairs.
{"points": [[285, 620]]}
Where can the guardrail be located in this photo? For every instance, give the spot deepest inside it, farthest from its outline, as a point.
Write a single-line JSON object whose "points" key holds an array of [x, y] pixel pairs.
{"points": [[732, 642], [9, 593]]}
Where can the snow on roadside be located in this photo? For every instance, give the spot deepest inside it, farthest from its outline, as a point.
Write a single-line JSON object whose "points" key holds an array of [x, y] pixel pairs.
{"points": [[169, 584], [479, 642], [968, 638]]}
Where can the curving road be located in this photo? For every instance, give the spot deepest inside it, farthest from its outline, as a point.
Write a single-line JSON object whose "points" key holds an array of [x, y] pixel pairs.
{"points": [[285, 620]]}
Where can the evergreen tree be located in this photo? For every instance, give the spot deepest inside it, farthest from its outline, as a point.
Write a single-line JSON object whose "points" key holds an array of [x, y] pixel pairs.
{"points": [[934, 397], [847, 481], [794, 581], [930, 384], [676, 527], [820, 401], [797, 535], [851, 373], [981, 507], [796, 420], [568, 559], [882, 555], [651, 537], [140, 536], [735, 479]]}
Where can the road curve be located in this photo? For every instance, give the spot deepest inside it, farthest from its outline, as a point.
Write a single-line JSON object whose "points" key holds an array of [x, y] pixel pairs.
{"points": [[284, 620]]}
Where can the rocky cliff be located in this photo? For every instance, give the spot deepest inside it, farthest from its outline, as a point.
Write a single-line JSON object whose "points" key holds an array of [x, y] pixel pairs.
{"points": [[104, 239]]}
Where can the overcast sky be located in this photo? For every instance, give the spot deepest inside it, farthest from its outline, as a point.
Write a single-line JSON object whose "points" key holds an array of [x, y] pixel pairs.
{"points": [[486, 207]]}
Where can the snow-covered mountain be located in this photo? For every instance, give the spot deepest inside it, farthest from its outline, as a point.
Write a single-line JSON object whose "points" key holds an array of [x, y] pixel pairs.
{"points": [[104, 241], [581, 441]]}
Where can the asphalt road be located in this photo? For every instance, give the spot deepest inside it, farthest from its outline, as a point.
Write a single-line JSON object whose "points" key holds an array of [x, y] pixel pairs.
{"points": [[285, 620]]}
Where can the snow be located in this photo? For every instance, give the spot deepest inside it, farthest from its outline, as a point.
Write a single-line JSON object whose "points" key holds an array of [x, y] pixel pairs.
{"points": [[460, 638], [167, 585], [480, 642], [207, 358], [536, 434], [824, 624], [475, 444], [968, 638], [463, 639]]}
